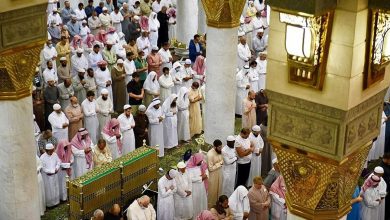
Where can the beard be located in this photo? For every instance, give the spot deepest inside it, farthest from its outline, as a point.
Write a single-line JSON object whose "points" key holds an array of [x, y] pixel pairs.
{"points": [[173, 104], [218, 151], [103, 68], [104, 98]]}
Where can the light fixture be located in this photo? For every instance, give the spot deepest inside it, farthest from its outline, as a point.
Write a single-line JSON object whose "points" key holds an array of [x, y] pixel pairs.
{"points": [[378, 42]]}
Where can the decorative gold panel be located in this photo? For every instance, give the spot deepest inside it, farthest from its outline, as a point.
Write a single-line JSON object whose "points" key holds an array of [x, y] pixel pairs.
{"points": [[223, 13]]}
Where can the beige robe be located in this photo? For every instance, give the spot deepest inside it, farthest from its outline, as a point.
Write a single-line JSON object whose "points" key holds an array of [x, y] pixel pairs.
{"points": [[195, 115], [101, 157], [227, 216], [214, 162], [75, 116], [259, 200], [248, 116]]}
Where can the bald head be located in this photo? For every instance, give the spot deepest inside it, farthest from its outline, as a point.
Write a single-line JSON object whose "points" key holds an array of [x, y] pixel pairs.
{"points": [[74, 100], [98, 215], [115, 210], [144, 201]]}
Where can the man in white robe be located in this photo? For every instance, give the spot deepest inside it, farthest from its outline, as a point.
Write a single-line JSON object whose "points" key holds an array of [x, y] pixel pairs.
{"points": [[143, 43], [166, 84], [260, 42], [187, 74], [94, 57], [183, 195], [82, 152], [59, 123], [50, 167], [91, 122], [127, 123], [50, 73], [66, 91], [382, 187], [166, 189], [166, 56], [49, 53], [116, 19], [129, 67], [253, 76], [141, 209], [169, 108], [41, 187], [78, 61], [257, 141], [54, 17], [103, 79], [371, 199], [243, 53], [243, 86], [262, 69], [176, 77], [156, 116], [229, 167], [239, 203], [104, 108], [183, 115], [105, 18]]}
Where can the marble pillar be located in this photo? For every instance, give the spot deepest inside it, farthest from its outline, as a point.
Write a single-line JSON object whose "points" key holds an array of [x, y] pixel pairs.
{"points": [[18, 176], [220, 86], [201, 19], [187, 20]]}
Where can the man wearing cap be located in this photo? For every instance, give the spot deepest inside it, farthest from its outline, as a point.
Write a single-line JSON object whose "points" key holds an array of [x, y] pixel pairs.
{"points": [[249, 110], [94, 57], [94, 23], [54, 17], [243, 86], [78, 61], [260, 42], [66, 91], [63, 70], [50, 72], [261, 67], [50, 167], [244, 150], [129, 65], [54, 32], [243, 53], [141, 127], [73, 26], [74, 113], [134, 28], [116, 19], [105, 19], [187, 74], [382, 188], [146, 7], [119, 86], [166, 189], [372, 198], [166, 84], [79, 85], [104, 108], [80, 13], [229, 166], [51, 96], [143, 43], [272, 174], [49, 54], [103, 79], [156, 129], [109, 55], [91, 122], [84, 30], [166, 56], [257, 141], [127, 123], [183, 195], [214, 162], [154, 60]]}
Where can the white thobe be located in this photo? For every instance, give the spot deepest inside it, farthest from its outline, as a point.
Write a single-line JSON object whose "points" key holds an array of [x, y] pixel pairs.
{"points": [[262, 71], [187, 72], [93, 59], [255, 160], [105, 19], [80, 166], [241, 82], [103, 110], [129, 69], [166, 85], [238, 211], [229, 169], [165, 202], [199, 196], [156, 129], [91, 122], [378, 146], [56, 18], [84, 31], [135, 212], [51, 164], [183, 122], [183, 203], [128, 140], [94, 24], [254, 79], [49, 54], [156, 7], [243, 55], [78, 63], [50, 73], [113, 145], [80, 14], [382, 187], [101, 78], [166, 58], [113, 37], [41, 187], [57, 120], [144, 45], [116, 21], [177, 80], [370, 205], [62, 181], [170, 128]]}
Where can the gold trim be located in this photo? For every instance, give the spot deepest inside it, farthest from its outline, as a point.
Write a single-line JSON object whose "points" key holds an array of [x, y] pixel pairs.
{"points": [[218, 24]]}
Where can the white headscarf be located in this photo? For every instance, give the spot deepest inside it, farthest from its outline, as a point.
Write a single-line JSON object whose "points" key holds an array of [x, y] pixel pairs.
{"points": [[149, 84], [153, 103], [167, 103], [182, 98], [153, 22], [239, 201]]}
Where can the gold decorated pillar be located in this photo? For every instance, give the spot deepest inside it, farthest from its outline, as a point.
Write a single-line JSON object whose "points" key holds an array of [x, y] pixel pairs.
{"points": [[327, 76], [222, 22], [23, 32]]}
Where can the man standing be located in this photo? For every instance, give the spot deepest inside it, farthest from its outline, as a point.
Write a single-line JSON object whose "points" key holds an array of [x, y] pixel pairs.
{"points": [[50, 167], [78, 61], [66, 12], [170, 123], [101, 154], [183, 195], [105, 19], [262, 107], [111, 134], [109, 54], [91, 122], [127, 124], [229, 167], [63, 70], [253, 76], [64, 153], [94, 23], [50, 72], [244, 53], [75, 115], [156, 129], [49, 54], [81, 149], [59, 123], [79, 85], [215, 162], [141, 127], [95, 57], [177, 78], [141, 209], [195, 48], [129, 67], [118, 74], [195, 115], [51, 97], [154, 61], [183, 119], [273, 174], [259, 200], [143, 43], [187, 74], [163, 31], [261, 61], [249, 110], [103, 79], [166, 56], [90, 84], [104, 108], [73, 26], [166, 189], [243, 86], [257, 141], [135, 92], [166, 84], [66, 91], [244, 150], [134, 28], [259, 42], [385, 164]]}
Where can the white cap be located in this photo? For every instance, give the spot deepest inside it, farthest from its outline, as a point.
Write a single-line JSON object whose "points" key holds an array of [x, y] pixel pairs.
{"points": [[80, 50], [241, 33], [56, 107], [50, 78], [263, 53], [109, 42], [172, 173], [256, 128], [181, 165], [379, 169], [73, 16], [33, 89], [154, 48], [34, 116], [104, 92], [84, 22], [142, 108], [55, 9], [188, 61], [36, 69], [246, 67], [119, 61], [275, 160], [81, 70], [105, 9], [136, 17], [49, 146], [62, 58], [230, 138], [126, 107], [261, 30]]}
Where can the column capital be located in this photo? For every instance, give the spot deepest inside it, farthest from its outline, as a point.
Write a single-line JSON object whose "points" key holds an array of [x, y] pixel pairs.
{"points": [[223, 13]]}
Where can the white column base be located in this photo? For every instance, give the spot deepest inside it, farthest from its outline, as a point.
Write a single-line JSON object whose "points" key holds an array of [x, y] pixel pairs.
{"points": [[18, 175], [187, 20], [295, 217], [221, 67]]}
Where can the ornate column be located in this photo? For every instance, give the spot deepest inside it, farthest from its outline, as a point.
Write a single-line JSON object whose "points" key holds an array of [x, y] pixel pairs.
{"points": [[222, 22], [321, 119], [23, 30], [187, 20]]}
